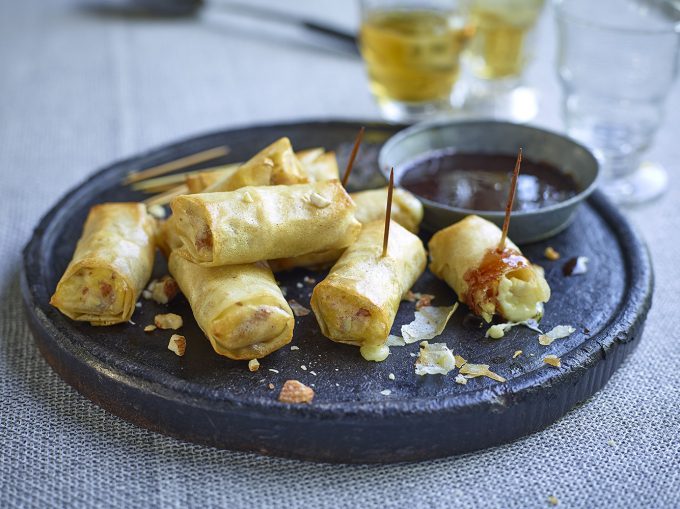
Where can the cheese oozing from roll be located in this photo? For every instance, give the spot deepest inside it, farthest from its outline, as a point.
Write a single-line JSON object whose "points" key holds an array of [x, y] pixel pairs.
{"points": [[110, 266], [240, 308], [358, 300], [262, 223], [465, 256]]}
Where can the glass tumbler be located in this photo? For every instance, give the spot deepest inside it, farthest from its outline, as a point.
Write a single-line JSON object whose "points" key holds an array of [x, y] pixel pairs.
{"points": [[412, 54], [617, 60]]}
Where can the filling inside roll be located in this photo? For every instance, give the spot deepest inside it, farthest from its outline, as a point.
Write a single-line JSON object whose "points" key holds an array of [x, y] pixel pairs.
{"points": [[92, 292], [490, 282]]}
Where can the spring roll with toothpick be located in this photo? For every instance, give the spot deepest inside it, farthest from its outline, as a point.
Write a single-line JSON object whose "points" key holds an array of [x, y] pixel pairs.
{"points": [[358, 300]]}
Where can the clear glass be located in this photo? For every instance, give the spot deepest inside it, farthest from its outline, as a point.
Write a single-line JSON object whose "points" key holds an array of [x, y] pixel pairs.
{"points": [[412, 53], [616, 71], [497, 56]]}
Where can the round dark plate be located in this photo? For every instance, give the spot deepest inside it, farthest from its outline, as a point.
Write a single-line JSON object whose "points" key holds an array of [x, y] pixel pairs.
{"points": [[205, 398]]}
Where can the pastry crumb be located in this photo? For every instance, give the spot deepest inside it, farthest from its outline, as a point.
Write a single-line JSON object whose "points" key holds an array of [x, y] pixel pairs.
{"points": [[168, 321], [298, 309], [551, 254], [319, 201], [391, 376], [253, 365], [460, 379], [434, 359], [459, 361], [162, 290], [270, 386], [294, 347], [516, 354], [303, 367], [273, 370], [309, 280], [177, 344], [294, 391], [150, 328], [386, 392], [475, 370], [552, 500]]}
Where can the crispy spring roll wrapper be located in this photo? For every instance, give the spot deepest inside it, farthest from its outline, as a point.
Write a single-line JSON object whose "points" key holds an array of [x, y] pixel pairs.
{"points": [[464, 255], [263, 223], [276, 164], [198, 182], [110, 266], [406, 208], [358, 300], [240, 308], [324, 167]]}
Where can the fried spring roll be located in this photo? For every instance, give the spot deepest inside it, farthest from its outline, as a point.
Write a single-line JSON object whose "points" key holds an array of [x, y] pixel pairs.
{"points": [[263, 223], [239, 307], [324, 167], [358, 300], [274, 165], [465, 256], [406, 208], [110, 267]]}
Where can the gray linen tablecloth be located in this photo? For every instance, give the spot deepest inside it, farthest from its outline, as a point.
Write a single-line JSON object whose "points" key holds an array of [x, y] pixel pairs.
{"points": [[80, 87]]}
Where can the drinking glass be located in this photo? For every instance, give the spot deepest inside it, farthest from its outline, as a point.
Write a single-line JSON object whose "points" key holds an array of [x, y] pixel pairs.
{"points": [[497, 56], [412, 54], [617, 60]]}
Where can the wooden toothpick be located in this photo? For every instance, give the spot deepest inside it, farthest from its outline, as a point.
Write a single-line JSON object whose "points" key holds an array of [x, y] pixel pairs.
{"points": [[511, 200], [353, 156], [177, 164], [388, 213]]}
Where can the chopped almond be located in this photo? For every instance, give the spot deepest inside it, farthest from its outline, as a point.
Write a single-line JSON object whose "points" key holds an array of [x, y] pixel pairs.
{"points": [[150, 328], [551, 254], [253, 365], [168, 321], [162, 290], [425, 299], [177, 344], [296, 392]]}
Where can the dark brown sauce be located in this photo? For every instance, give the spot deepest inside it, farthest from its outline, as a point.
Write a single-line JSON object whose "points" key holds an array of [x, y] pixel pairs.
{"points": [[482, 181], [484, 279]]}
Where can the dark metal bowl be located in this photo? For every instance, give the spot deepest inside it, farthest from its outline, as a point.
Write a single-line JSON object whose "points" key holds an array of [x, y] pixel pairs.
{"points": [[494, 137]]}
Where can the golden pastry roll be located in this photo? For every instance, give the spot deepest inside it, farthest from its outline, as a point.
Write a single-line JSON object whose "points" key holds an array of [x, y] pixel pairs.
{"points": [[263, 223], [312, 261], [110, 266], [199, 181], [358, 300], [406, 208], [324, 167], [465, 256], [240, 308], [276, 164]]}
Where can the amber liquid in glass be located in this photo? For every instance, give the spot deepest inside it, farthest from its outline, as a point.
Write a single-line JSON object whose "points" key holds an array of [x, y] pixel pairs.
{"points": [[412, 56], [497, 50]]}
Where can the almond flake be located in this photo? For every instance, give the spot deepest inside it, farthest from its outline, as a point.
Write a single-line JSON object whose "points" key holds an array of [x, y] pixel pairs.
{"points": [[253, 365], [150, 328], [425, 299], [177, 344], [475, 370], [319, 201], [168, 321], [296, 392], [553, 360], [162, 290], [559, 332], [298, 309]]}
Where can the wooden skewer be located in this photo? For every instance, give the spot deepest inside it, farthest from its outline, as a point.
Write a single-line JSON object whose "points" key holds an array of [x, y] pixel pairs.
{"points": [[388, 213], [166, 197], [353, 156], [167, 181], [511, 200], [177, 164]]}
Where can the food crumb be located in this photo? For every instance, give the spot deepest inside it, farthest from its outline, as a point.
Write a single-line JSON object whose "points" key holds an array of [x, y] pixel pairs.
{"points": [[309, 280], [294, 391], [177, 344], [391, 376], [460, 379], [162, 290], [551, 254], [516, 354], [313, 373], [552, 360], [337, 385], [611, 443], [138, 304], [299, 285], [270, 386], [253, 365], [475, 370], [386, 392], [303, 367], [273, 370], [157, 211], [131, 322], [425, 299], [298, 309], [150, 328], [294, 347], [552, 500], [459, 361], [168, 321]]}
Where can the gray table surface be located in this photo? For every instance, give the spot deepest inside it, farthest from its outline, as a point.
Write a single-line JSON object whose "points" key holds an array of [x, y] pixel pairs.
{"points": [[80, 88]]}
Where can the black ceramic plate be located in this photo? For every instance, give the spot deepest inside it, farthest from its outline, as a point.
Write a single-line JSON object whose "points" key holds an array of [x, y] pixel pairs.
{"points": [[205, 398]]}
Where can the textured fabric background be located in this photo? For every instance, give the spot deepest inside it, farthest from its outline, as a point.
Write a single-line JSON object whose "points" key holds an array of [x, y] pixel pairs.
{"points": [[80, 88]]}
